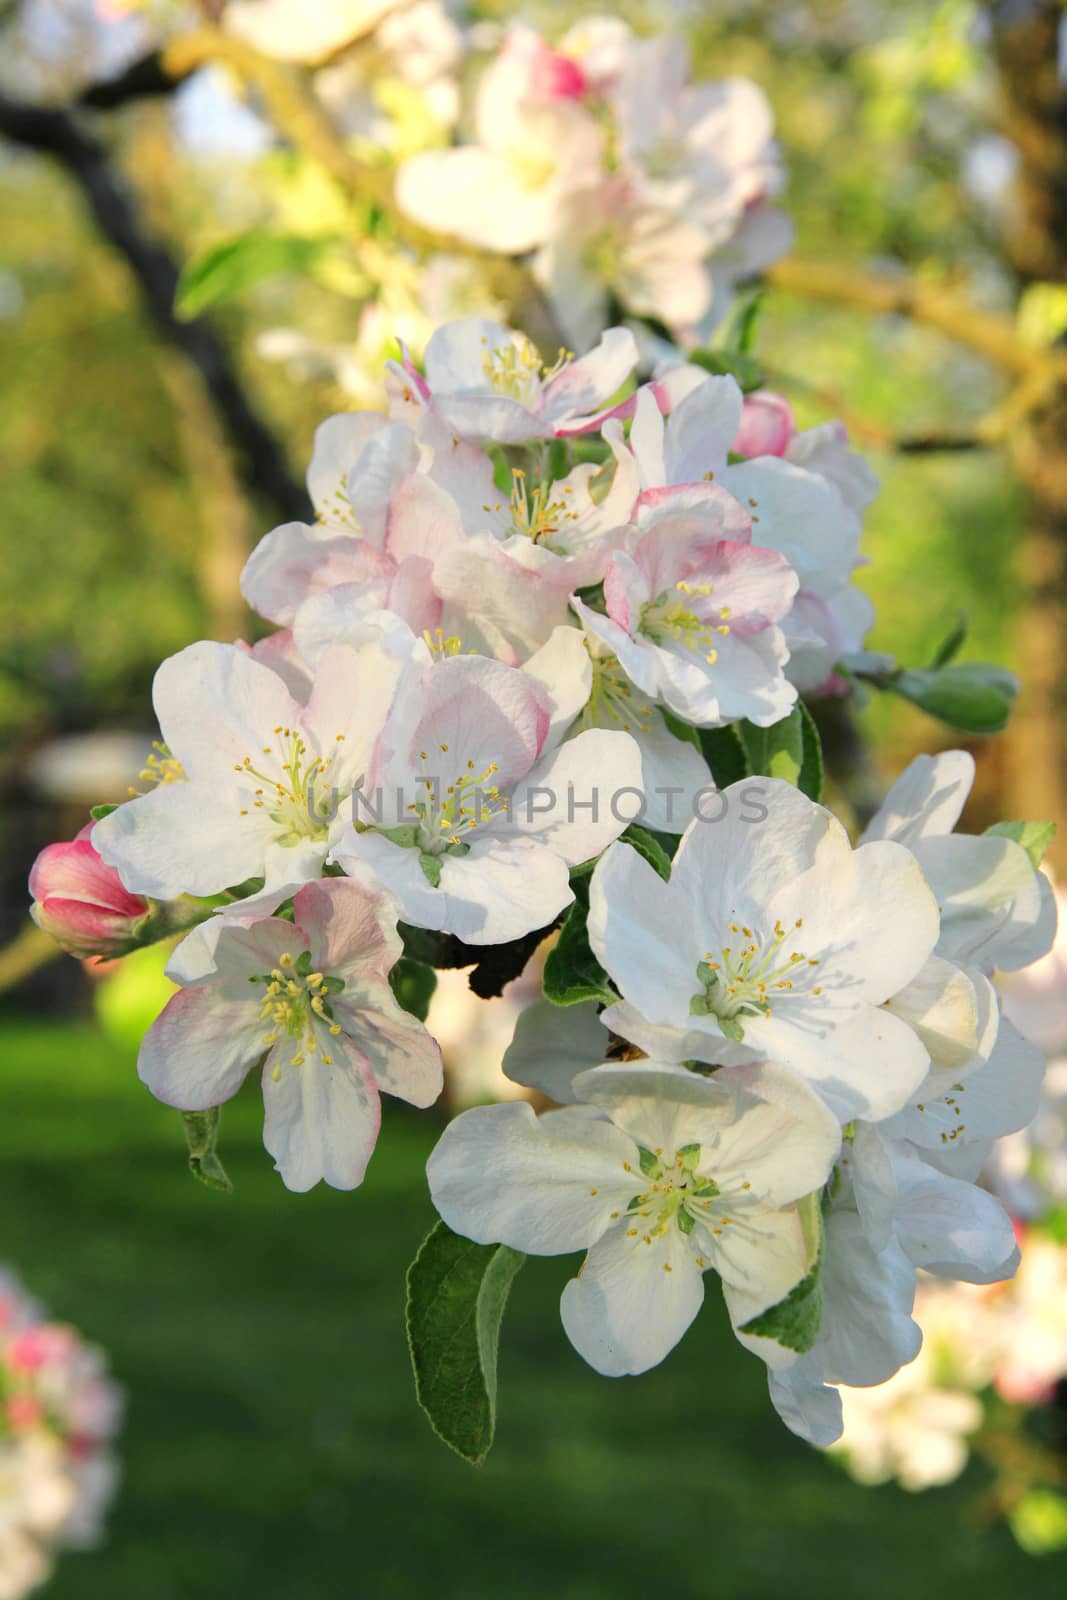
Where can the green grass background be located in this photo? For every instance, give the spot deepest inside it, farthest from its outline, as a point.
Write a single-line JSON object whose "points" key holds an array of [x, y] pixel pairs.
{"points": [[273, 1446]]}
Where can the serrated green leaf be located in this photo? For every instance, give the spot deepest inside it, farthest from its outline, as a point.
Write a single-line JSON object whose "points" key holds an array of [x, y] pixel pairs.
{"points": [[1035, 837], [413, 983], [778, 751], [646, 844], [228, 268], [202, 1136], [572, 972], [456, 1294], [725, 754], [795, 1321]]}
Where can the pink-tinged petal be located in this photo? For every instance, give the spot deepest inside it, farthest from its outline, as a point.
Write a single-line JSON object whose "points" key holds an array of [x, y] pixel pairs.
{"points": [[626, 590], [463, 717], [354, 690], [513, 606], [423, 521], [767, 425], [293, 562], [385, 465], [588, 383], [321, 1119], [702, 430], [278, 651], [201, 1047], [404, 1057], [348, 925]]}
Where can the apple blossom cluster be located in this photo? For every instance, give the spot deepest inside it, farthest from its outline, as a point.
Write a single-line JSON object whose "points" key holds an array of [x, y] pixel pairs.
{"points": [[538, 666], [59, 1412], [629, 188]]}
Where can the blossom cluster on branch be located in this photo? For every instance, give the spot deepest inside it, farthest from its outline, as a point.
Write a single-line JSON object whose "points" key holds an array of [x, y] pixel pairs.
{"points": [[538, 664], [59, 1412]]}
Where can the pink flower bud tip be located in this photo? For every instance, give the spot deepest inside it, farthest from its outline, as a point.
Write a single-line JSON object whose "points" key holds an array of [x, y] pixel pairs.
{"points": [[767, 425], [81, 902]]}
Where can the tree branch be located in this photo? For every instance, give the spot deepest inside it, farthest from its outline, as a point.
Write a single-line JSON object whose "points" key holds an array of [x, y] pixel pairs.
{"points": [[57, 133], [995, 337]]}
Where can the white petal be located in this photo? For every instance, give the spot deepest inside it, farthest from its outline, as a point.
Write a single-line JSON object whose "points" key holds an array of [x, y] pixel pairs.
{"points": [[200, 1048], [633, 1301], [552, 1044], [638, 930], [926, 799], [867, 1065], [546, 1185], [951, 1228], [581, 798], [182, 838], [321, 1122], [867, 1332]]}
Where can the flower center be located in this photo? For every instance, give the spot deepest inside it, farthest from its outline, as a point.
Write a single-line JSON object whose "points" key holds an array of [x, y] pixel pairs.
{"points": [[611, 698], [515, 369], [295, 794], [679, 1195], [295, 1006], [683, 615], [744, 980]]}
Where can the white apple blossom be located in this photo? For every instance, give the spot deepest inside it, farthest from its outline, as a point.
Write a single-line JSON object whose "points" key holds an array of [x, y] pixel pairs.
{"points": [[487, 381], [797, 510], [772, 939], [691, 612], [266, 779], [473, 812], [311, 1000], [660, 1174], [997, 910]]}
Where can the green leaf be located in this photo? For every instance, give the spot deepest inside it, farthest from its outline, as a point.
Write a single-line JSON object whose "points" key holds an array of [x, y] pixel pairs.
{"points": [[1035, 837], [99, 812], [413, 983], [725, 754], [973, 696], [572, 972], [227, 269], [795, 1321], [1039, 1521], [776, 752], [202, 1136], [810, 781], [647, 845], [431, 868], [457, 1292], [733, 363], [952, 643]]}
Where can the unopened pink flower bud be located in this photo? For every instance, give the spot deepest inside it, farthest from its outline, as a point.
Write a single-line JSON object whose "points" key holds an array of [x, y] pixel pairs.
{"points": [[767, 425], [558, 77], [81, 901]]}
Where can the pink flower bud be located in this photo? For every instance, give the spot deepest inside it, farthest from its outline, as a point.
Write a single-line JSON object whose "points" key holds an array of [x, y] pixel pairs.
{"points": [[81, 901], [557, 77], [767, 425]]}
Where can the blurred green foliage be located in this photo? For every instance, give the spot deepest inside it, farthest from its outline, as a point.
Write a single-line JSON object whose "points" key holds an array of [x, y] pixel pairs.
{"points": [[274, 1446]]}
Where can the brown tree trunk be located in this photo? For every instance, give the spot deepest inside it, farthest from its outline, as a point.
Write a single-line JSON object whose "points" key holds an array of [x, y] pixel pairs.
{"points": [[1026, 35]]}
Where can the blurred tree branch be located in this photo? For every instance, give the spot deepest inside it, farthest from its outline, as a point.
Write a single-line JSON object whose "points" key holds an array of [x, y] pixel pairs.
{"points": [[57, 133]]}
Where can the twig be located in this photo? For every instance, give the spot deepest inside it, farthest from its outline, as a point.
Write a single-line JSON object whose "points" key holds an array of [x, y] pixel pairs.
{"points": [[58, 134], [28, 950]]}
